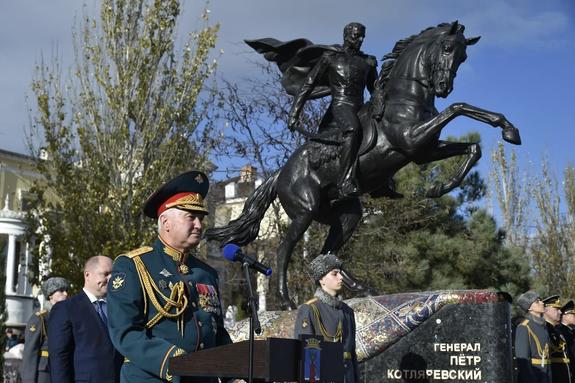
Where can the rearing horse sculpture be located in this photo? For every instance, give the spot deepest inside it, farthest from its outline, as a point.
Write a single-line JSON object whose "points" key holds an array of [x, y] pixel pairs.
{"points": [[400, 125]]}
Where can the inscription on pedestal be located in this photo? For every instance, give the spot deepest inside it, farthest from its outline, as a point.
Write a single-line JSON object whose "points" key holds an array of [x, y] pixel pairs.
{"points": [[461, 343]]}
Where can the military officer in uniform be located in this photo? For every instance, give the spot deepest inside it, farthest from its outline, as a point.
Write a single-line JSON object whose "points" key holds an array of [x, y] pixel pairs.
{"points": [[162, 300], [567, 329], [327, 315], [532, 341], [560, 362], [35, 356]]}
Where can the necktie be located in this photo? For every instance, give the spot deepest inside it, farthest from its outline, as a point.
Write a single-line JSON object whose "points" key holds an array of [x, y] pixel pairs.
{"points": [[101, 310]]}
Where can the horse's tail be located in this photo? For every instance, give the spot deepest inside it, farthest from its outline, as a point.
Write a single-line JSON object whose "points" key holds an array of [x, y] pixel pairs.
{"points": [[245, 228]]}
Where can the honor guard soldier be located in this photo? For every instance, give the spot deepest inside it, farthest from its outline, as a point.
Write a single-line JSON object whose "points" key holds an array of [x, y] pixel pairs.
{"points": [[35, 356], [327, 315], [532, 343], [163, 301], [567, 329], [560, 363]]}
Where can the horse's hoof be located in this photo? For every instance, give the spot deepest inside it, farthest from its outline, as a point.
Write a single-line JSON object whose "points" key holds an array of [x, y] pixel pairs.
{"points": [[511, 135]]}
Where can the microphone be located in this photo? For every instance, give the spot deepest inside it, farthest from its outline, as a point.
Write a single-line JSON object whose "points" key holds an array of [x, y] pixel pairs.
{"points": [[233, 253]]}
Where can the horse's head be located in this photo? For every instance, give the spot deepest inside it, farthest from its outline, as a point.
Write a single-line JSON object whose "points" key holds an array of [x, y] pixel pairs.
{"points": [[446, 53]]}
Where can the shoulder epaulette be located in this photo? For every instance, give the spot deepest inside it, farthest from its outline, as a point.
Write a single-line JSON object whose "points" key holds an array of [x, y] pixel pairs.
{"points": [[136, 252], [313, 300], [41, 313]]}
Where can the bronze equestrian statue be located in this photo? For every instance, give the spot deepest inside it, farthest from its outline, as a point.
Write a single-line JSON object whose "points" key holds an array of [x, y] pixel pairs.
{"points": [[348, 72], [399, 125]]}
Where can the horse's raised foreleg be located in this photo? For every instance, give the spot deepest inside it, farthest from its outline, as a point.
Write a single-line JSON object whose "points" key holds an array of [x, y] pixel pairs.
{"points": [[445, 150], [421, 134], [295, 232]]}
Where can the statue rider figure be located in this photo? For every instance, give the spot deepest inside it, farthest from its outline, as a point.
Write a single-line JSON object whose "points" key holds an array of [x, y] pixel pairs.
{"points": [[348, 71]]}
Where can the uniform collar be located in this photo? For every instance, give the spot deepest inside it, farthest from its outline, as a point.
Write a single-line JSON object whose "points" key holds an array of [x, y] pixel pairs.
{"points": [[177, 256], [536, 319], [329, 300], [173, 253]]}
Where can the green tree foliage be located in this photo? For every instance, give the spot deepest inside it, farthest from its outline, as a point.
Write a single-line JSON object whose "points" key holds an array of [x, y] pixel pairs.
{"points": [[553, 246], [132, 113], [545, 229]]}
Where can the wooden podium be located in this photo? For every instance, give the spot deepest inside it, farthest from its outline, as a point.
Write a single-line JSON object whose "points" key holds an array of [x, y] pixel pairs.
{"points": [[275, 360]]}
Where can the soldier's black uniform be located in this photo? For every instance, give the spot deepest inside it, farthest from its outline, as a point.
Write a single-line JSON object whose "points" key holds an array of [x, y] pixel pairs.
{"points": [[35, 367], [560, 362], [568, 333], [532, 351]]}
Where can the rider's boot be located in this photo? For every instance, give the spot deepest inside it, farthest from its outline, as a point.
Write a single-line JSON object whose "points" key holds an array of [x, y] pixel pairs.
{"points": [[347, 187]]}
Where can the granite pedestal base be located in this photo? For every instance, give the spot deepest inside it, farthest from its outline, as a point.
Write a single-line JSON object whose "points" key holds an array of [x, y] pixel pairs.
{"points": [[460, 343]]}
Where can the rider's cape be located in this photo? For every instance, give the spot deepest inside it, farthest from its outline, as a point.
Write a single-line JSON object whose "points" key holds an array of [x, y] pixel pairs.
{"points": [[295, 59]]}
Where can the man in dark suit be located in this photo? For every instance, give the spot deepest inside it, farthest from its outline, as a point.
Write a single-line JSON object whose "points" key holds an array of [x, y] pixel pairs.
{"points": [[80, 348]]}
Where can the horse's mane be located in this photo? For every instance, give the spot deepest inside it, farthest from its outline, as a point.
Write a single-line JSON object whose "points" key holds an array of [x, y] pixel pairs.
{"points": [[389, 59]]}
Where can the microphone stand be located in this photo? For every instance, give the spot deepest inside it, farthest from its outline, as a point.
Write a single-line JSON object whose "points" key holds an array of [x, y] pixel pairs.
{"points": [[254, 321]]}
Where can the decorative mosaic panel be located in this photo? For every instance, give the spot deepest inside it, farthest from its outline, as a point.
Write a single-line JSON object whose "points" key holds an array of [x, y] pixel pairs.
{"points": [[380, 321]]}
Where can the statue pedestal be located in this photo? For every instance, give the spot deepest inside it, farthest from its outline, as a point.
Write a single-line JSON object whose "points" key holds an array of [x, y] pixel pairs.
{"points": [[460, 343]]}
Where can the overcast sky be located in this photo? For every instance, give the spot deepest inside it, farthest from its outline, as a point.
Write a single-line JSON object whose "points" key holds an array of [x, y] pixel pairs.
{"points": [[522, 67]]}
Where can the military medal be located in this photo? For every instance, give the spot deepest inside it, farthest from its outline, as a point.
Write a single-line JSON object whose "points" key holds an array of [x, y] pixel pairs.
{"points": [[208, 298], [184, 269]]}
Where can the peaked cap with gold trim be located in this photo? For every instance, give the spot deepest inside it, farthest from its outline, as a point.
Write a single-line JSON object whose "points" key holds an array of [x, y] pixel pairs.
{"points": [[568, 308], [553, 301], [185, 192]]}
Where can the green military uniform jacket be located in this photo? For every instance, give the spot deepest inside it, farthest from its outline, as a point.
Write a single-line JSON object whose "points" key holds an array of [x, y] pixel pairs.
{"points": [[331, 318], [160, 307], [35, 367], [560, 362], [532, 351]]}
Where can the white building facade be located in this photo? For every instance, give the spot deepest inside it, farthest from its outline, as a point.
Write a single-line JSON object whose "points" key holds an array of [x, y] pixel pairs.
{"points": [[17, 176]]}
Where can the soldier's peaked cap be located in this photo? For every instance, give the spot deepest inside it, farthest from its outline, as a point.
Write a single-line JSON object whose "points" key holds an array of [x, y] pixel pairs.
{"points": [[552, 301], [185, 192], [568, 308], [525, 300]]}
